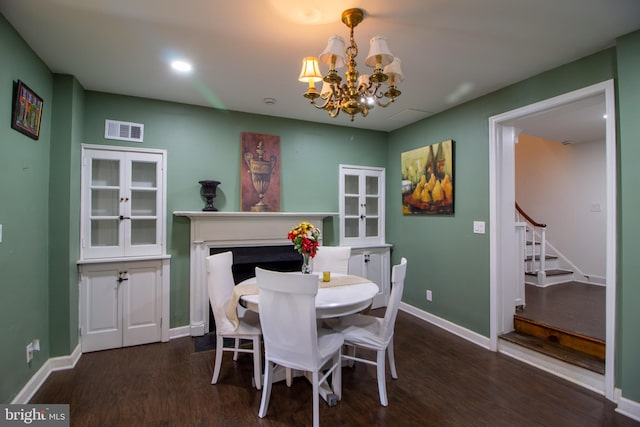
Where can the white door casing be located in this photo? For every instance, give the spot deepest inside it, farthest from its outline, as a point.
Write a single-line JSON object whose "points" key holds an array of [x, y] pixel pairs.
{"points": [[502, 198]]}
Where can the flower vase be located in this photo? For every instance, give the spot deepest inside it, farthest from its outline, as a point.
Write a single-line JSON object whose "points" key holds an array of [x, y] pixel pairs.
{"points": [[306, 266]]}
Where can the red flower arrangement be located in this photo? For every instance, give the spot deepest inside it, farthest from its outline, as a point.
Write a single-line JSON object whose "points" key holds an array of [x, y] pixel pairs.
{"points": [[305, 238]]}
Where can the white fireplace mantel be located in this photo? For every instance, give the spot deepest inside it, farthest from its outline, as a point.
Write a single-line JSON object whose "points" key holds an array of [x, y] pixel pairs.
{"points": [[230, 229]]}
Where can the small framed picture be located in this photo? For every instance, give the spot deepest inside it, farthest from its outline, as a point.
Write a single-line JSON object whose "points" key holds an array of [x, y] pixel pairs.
{"points": [[27, 111]]}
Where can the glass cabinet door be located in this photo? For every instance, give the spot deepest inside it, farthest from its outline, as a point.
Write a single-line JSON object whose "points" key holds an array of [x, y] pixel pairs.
{"points": [[105, 189], [361, 205], [143, 205], [122, 202]]}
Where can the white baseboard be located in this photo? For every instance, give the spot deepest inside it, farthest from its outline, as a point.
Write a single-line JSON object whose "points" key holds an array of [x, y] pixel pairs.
{"points": [[179, 332], [448, 326], [629, 408], [51, 365]]}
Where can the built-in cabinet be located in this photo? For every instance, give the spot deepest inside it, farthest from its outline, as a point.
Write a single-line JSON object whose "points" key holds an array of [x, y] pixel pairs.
{"points": [[124, 269], [122, 203], [373, 263], [362, 207], [121, 304]]}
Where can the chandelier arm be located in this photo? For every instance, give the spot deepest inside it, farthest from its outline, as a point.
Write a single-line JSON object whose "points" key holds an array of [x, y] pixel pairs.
{"points": [[384, 104], [322, 106]]}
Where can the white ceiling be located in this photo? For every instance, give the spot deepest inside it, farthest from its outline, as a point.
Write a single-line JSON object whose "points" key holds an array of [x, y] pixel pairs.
{"points": [[245, 51], [573, 123]]}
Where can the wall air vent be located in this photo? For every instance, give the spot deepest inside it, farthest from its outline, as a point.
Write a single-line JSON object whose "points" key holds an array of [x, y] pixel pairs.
{"points": [[123, 131]]}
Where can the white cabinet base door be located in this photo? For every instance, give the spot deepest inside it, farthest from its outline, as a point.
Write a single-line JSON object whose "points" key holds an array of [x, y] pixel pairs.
{"points": [[120, 304], [373, 263]]}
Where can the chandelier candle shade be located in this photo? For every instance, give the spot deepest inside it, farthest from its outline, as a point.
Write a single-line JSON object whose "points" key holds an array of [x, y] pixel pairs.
{"points": [[305, 238], [359, 93]]}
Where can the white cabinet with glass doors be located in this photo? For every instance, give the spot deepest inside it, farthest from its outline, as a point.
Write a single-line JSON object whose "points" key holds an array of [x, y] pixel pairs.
{"points": [[123, 270], [123, 201], [361, 205]]}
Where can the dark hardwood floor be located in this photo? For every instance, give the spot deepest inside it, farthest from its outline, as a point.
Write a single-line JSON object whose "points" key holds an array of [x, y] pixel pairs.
{"points": [[443, 381], [571, 306]]}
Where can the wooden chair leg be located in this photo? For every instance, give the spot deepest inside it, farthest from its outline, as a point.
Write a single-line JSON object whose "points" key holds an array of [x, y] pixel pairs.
{"points": [[218, 360], [257, 365], [316, 399], [392, 360], [266, 389], [237, 345], [382, 386]]}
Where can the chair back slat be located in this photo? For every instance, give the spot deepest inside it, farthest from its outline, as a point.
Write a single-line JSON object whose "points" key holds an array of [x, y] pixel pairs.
{"points": [[398, 274], [220, 284], [288, 317], [332, 258]]}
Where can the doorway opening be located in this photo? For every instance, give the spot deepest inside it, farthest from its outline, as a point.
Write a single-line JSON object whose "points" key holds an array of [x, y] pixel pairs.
{"points": [[505, 266]]}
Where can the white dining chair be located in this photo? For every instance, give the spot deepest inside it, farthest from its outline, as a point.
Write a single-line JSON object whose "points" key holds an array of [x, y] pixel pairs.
{"points": [[375, 333], [292, 339], [332, 258], [220, 284]]}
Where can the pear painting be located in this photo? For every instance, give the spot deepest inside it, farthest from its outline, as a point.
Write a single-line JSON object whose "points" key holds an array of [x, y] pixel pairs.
{"points": [[428, 180]]}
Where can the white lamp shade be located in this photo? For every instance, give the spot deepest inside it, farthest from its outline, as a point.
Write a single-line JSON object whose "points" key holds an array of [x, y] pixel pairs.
{"points": [[335, 48], [394, 70], [378, 47], [310, 70]]}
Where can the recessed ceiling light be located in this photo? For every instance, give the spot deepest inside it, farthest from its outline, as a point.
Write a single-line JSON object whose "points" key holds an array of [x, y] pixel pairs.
{"points": [[181, 66], [604, 116]]}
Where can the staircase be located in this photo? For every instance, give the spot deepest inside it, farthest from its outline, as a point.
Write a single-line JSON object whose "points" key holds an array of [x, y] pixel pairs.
{"points": [[543, 264]]}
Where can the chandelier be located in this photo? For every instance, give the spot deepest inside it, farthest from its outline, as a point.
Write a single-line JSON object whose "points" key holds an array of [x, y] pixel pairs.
{"points": [[359, 93]]}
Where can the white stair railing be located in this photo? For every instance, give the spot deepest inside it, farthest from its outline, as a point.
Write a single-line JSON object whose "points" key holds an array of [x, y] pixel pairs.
{"points": [[535, 234]]}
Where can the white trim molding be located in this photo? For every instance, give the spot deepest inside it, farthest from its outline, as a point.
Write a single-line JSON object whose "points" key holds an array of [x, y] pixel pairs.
{"points": [[51, 365], [629, 408], [448, 326], [179, 332]]}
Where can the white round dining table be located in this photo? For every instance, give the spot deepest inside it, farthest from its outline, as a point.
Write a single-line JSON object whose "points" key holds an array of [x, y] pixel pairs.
{"points": [[335, 301]]}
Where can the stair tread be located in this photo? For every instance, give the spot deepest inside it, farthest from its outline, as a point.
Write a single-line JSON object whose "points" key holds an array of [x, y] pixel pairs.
{"points": [[537, 257], [556, 351], [553, 272]]}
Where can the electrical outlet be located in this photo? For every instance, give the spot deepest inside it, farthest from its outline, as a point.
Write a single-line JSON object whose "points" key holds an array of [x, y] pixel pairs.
{"points": [[429, 296], [36, 344], [29, 352]]}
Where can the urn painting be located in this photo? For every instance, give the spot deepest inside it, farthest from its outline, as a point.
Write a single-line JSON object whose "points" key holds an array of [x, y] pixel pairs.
{"points": [[260, 169]]}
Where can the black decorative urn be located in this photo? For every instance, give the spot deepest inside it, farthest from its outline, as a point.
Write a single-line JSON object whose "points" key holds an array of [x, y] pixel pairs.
{"points": [[209, 192]]}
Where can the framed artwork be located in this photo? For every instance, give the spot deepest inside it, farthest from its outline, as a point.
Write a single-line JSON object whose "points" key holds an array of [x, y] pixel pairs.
{"points": [[27, 111], [428, 179], [260, 173]]}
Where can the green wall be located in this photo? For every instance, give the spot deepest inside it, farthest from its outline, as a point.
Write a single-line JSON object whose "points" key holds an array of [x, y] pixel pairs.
{"points": [[629, 199], [40, 195], [24, 215], [64, 217], [204, 143], [448, 258]]}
